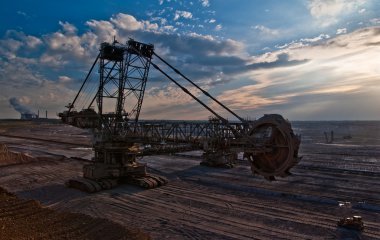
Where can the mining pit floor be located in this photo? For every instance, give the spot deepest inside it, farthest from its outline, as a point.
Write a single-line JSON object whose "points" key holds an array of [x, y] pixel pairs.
{"points": [[207, 203]]}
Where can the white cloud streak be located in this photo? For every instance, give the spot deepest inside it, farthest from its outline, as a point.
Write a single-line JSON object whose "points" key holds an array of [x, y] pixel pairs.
{"points": [[205, 3], [266, 32], [344, 67], [183, 14], [329, 12], [341, 31]]}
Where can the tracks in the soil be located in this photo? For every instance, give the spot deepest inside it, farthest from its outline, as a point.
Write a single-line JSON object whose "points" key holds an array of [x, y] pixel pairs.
{"points": [[207, 209], [26, 219], [247, 206], [44, 140]]}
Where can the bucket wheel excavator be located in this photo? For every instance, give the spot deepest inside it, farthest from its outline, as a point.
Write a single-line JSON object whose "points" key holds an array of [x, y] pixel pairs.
{"points": [[117, 89]]}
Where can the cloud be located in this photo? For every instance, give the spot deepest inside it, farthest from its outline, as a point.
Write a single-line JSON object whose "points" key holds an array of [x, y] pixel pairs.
{"points": [[68, 28], [303, 42], [168, 28], [357, 39], [339, 73], [247, 98], [265, 31], [55, 61], [217, 61], [64, 43], [23, 81], [375, 21], [218, 27], [315, 39], [281, 61], [103, 30], [24, 14], [68, 52], [9, 47], [67, 48], [174, 102], [126, 22], [162, 20], [329, 12], [33, 42], [205, 3], [293, 78], [64, 79], [183, 14], [341, 31], [16, 43], [21, 13]]}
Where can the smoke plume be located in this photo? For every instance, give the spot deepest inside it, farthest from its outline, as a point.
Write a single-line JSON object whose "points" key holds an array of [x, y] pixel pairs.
{"points": [[19, 107]]}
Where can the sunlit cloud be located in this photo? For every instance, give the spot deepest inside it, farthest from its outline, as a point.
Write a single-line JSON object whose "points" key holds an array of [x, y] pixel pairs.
{"points": [[328, 12], [183, 14], [316, 68], [205, 3], [341, 31], [341, 66], [265, 31]]}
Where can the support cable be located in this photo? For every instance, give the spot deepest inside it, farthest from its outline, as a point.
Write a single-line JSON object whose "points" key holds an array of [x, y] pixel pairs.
{"points": [[223, 120], [88, 74], [203, 91]]}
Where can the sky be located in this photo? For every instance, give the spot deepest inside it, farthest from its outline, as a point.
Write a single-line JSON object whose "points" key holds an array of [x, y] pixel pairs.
{"points": [[303, 59]]}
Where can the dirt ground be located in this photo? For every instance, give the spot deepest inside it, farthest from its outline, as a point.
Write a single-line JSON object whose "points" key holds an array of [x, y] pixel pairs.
{"points": [[27, 219], [210, 203]]}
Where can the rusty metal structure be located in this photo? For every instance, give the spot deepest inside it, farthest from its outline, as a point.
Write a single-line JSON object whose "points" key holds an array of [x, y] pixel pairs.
{"points": [[268, 143]]}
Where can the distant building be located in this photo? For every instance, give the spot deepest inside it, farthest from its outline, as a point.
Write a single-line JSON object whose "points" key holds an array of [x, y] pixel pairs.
{"points": [[28, 116]]}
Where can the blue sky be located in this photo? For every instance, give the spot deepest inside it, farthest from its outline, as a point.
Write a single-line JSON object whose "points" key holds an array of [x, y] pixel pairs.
{"points": [[304, 59]]}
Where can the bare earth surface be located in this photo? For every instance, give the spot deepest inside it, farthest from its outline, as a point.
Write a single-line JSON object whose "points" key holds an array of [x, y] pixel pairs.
{"points": [[26, 219], [208, 203]]}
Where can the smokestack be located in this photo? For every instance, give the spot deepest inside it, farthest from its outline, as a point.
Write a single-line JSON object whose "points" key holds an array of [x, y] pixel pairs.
{"points": [[46, 114], [38, 113]]}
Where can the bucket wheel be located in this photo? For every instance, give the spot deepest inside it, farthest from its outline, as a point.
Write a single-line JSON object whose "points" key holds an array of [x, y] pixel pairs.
{"points": [[279, 147]]}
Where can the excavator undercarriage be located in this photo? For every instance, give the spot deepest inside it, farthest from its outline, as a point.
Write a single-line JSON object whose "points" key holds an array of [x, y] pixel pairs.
{"points": [[114, 163]]}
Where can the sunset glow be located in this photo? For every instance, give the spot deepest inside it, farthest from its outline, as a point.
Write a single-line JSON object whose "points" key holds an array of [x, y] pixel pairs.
{"points": [[305, 59]]}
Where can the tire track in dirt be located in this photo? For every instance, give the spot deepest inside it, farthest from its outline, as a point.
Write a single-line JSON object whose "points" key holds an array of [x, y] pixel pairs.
{"points": [[27, 219], [44, 140], [193, 209], [207, 216], [48, 176], [311, 188], [259, 208], [174, 224]]}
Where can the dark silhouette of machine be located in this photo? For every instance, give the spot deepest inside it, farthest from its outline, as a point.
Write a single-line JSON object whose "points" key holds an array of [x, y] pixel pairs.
{"points": [[268, 143], [355, 223]]}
